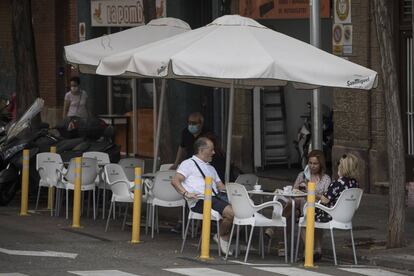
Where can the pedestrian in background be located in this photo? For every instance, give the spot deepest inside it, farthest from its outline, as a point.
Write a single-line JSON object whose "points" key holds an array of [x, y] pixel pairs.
{"points": [[75, 101]]}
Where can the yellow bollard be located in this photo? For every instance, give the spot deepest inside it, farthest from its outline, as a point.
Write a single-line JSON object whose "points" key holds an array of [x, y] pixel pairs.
{"points": [[77, 193], [310, 225], [205, 233], [136, 215], [51, 189], [25, 183]]}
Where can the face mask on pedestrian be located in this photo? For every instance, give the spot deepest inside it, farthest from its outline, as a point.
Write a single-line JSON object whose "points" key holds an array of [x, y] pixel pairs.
{"points": [[193, 129]]}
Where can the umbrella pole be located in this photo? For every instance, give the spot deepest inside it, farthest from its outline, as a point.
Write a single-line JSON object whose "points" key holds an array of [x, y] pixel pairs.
{"points": [[229, 132], [316, 99], [154, 114], [157, 138], [109, 95], [134, 117]]}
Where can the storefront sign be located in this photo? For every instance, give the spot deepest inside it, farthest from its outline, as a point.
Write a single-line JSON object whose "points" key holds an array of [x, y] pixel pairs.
{"points": [[342, 10], [347, 39], [280, 9], [337, 39], [122, 13]]}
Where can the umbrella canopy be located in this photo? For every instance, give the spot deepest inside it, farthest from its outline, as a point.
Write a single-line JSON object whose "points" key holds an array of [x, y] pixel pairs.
{"points": [[87, 54], [238, 48], [235, 51]]}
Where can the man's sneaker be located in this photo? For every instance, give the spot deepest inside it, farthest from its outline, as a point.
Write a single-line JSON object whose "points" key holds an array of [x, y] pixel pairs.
{"points": [[223, 245]]}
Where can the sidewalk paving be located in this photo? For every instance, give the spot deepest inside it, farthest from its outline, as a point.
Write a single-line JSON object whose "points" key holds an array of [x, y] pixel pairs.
{"points": [[370, 229], [370, 232]]}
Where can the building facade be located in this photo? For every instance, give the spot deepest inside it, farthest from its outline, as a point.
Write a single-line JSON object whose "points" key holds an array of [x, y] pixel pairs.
{"points": [[359, 117]]}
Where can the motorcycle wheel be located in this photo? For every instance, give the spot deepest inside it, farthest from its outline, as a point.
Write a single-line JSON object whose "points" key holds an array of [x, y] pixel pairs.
{"points": [[8, 191]]}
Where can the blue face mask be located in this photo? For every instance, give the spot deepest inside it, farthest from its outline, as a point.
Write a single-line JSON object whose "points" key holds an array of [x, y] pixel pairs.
{"points": [[193, 129]]}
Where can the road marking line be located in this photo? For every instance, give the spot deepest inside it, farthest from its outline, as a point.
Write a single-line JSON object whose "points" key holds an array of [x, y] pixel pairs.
{"points": [[291, 271], [371, 271], [102, 273], [39, 253], [257, 264], [12, 274], [200, 271]]}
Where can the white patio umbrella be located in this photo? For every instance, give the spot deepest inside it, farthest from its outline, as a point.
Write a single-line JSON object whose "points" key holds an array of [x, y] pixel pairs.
{"points": [[235, 51], [87, 54]]}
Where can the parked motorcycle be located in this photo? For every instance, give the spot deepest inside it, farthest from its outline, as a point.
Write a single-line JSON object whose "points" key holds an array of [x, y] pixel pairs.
{"points": [[5, 117], [12, 143], [303, 144], [21, 136], [91, 134]]}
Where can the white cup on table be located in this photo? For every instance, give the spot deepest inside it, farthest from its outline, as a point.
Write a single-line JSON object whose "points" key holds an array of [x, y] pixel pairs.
{"points": [[287, 189], [257, 187]]}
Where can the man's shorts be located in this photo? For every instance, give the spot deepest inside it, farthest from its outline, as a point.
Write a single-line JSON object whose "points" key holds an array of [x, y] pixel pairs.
{"points": [[216, 204]]}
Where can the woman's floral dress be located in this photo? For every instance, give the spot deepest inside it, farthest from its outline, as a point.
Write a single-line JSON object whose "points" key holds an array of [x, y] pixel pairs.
{"points": [[334, 191]]}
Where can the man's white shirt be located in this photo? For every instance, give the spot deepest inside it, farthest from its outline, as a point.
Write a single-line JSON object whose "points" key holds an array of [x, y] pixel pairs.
{"points": [[194, 181]]}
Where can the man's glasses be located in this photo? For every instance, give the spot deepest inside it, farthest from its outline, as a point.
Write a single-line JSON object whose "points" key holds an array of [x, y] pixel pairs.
{"points": [[339, 161], [193, 123]]}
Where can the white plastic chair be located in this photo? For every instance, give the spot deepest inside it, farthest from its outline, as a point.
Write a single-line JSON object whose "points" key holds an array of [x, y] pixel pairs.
{"points": [[246, 213], [48, 165], [165, 167], [129, 165], [120, 187], [342, 214], [89, 173], [103, 159], [248, 180], [164, 195], [215, 216]]}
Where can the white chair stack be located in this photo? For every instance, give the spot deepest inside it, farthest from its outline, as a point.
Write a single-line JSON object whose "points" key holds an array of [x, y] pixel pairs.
{"points": [[102, 159], [89, 173], [342, 214], [120, 187], [48, 165], [246, 213]]}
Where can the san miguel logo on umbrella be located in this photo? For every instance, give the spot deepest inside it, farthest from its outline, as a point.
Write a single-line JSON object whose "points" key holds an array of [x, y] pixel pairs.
{"points": [[358, 82]]}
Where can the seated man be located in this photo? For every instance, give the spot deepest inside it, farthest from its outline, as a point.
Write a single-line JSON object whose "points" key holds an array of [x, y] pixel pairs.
{"points": [[189, 181]]}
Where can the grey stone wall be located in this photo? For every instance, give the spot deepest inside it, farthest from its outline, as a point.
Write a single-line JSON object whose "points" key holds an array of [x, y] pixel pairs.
{"points": [[359, 116]]}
